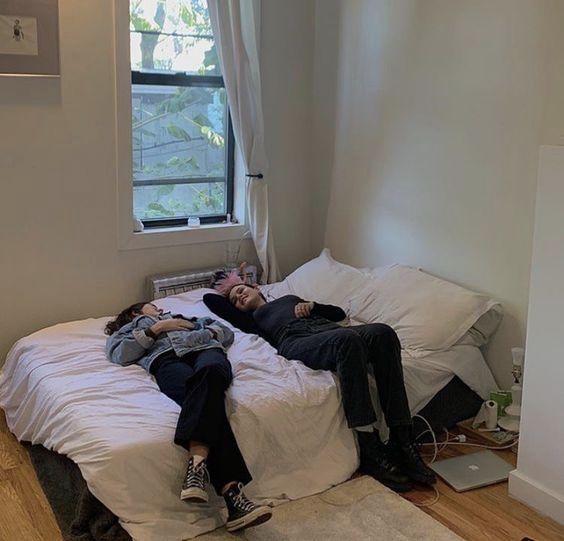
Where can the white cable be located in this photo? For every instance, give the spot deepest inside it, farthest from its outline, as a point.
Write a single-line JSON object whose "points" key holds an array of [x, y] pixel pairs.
{"points": [[441, 445], [432, 502], [422, 434], [430, 429], [345, 504], [494, 447], [436, 450], [450, 442], [444, 444]]}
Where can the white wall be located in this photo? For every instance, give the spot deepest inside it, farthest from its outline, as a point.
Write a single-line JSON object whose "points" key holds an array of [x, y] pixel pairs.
{"points": [[287, 78], [58, 212], [438, 122], [325, 83], [539, 479], [553, 117], [440, 108]]}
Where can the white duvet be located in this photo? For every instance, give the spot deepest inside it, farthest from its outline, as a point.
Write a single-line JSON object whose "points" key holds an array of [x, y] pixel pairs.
{"points": [[59, 390]]}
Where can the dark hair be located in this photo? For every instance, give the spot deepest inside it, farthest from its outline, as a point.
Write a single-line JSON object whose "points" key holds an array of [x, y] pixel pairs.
{"points": [[124, 317], [228, 296]]}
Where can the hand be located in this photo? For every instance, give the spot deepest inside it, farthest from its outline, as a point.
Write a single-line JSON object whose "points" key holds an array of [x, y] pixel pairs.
{"points": [[175, 324], [303, 309], [213, 332]]}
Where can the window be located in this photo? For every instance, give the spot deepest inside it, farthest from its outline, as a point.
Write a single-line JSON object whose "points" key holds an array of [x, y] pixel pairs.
{"points": [[182, 141]]}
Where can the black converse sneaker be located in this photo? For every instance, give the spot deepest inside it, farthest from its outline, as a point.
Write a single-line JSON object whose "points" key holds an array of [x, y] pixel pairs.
{"points": [[194, 485], [243, 513]]}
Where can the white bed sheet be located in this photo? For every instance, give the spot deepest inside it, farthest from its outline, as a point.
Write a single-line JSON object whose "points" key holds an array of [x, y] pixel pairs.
{"points": [[58, 389]]}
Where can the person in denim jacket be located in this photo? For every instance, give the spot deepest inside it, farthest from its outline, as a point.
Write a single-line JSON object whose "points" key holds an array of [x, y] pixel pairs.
{"points": [[147, 337], [187, 357]]}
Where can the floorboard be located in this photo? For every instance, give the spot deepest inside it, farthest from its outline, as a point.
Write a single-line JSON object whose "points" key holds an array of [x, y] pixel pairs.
{"points": [[487, 513], [484, 514]]}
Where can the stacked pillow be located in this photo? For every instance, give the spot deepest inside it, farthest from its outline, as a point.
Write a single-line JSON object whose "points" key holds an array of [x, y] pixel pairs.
{"points": [[321, 280], [429, 314]]}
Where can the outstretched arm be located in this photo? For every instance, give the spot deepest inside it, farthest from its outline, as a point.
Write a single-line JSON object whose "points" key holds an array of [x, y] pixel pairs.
{"points": [[328, 311]]}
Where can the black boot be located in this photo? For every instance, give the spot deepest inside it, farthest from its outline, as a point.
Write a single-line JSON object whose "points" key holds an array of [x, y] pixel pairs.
{"points": [[404, 453], [375, 461]]}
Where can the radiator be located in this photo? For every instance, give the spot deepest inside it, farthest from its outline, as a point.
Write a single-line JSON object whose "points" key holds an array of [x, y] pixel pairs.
{"points": [[163, 285]]}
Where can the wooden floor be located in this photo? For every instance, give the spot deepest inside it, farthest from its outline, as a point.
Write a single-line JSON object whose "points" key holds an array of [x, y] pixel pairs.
{"points": [[486, 513], [25, 513], [479, 515]]}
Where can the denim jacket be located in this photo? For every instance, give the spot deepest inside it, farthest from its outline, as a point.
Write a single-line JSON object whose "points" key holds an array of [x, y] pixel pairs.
{"points": [[132, 345]]}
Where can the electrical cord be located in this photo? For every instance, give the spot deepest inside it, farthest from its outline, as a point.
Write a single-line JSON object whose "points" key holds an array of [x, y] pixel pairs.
{"points": [[438, 447], [432, 432], [441, 445], [434, 500], [337, 504], [344, 504], [494, 447], [456, 441], [429, 503], [450, 439]]}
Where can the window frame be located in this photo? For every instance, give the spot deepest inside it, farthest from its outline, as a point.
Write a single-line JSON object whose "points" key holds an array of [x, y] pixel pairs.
{"points": [[157, 237], [181, 79]]}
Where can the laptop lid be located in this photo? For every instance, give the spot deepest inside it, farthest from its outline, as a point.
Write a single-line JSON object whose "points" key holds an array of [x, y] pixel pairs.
{"points": [[473, 470]]}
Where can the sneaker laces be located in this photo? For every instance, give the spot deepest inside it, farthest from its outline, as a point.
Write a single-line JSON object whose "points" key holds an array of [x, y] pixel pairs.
{"points": [[196, 476], [241, 501]]}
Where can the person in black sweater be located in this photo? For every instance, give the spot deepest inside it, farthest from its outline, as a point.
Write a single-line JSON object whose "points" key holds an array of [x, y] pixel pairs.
{"points": [[309, 332]]}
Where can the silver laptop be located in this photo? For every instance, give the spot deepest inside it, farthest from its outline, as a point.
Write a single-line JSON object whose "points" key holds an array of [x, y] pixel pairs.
{"points": [[473, 470]]}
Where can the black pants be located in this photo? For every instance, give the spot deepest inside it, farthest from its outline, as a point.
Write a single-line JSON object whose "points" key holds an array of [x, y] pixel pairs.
{"points": [[197, 383], [349, 351]]}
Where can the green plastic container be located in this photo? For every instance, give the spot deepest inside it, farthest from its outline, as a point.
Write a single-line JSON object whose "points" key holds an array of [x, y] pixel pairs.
{"points": [[502, 399]]}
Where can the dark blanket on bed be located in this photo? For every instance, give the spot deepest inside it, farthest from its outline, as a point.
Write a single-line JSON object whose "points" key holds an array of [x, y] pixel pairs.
{"points": [[80, 516], [453, 403]]}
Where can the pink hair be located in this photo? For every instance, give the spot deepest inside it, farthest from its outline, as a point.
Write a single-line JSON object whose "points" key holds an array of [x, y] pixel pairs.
{"points": [[225, 285]]}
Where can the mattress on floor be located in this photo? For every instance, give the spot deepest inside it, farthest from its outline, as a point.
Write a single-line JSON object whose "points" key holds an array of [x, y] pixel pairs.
{"points": [[82, 516], [58, 390]]}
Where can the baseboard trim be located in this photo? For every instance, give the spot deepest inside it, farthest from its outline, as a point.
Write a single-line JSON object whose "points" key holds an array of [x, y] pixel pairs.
{"points": [[537, 496]]}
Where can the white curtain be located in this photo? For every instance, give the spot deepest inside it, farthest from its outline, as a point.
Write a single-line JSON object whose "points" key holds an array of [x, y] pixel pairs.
{"points": [[236, 29]]}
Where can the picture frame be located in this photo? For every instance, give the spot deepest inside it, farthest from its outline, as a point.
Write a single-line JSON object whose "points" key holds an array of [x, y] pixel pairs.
{"points": [[29, 38]]}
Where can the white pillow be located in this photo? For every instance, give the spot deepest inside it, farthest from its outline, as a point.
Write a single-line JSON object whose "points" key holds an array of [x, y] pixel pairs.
{"points": [[480, 333], [428, 314], [321, 280]]}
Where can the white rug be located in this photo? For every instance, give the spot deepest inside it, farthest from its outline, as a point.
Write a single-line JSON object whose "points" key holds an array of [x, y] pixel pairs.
{"points": [[361, 509]]}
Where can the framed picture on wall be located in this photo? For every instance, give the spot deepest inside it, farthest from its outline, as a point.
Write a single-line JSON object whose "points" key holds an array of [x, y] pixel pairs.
{"points": [[29, 37]]}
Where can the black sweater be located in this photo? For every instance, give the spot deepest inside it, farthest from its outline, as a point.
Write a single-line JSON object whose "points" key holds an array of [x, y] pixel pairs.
{"points": [[274, 318]]}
